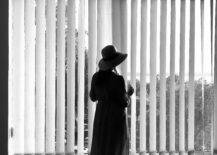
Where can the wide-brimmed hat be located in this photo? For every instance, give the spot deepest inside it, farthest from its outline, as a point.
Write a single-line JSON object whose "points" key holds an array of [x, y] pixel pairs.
{"points": [[110, 58]]}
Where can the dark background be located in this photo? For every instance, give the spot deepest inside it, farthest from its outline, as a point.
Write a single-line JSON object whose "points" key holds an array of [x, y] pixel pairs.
{"points": [[4, 77]]}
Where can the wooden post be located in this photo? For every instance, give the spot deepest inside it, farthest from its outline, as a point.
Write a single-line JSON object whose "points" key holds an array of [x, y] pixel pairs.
{"points": [[40, 77], [81, 63], [163, 38], [191, 78], [172, 76], [17, 79], [29, 116], [182, 79], [50, 75], [70, 143], [60, 127], [153, 51], [134, 42], [143, 71]]}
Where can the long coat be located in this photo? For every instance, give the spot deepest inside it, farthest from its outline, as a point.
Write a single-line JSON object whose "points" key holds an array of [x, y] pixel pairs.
{"points": [[110, 132]]}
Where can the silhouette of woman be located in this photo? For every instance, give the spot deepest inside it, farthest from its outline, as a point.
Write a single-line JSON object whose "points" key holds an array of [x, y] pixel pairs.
{"points": [[110, 131]]}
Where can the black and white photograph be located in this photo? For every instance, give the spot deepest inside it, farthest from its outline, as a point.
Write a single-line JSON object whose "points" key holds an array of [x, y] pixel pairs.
{"points": [[108, 77]]}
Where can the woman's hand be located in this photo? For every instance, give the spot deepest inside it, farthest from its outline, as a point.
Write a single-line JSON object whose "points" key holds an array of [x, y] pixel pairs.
{"points": [[130, 89]]}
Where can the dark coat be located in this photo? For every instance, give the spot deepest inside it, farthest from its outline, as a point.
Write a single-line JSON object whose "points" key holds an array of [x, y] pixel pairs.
{"points": [[110, 132]]}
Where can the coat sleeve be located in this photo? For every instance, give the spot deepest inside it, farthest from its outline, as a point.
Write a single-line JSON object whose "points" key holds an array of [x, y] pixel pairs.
{"points": [[92, 91], [123, 97]]}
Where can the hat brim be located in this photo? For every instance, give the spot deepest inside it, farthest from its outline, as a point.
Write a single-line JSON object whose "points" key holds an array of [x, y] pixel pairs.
{"points": [[109, 64]]}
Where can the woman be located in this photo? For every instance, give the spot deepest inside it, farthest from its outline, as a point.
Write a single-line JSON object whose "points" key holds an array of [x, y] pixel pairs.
{"points": [[110, 135]]}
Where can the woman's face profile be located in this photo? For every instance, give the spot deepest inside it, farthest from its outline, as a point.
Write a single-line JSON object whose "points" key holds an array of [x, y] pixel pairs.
{"points": [[116, 69]]}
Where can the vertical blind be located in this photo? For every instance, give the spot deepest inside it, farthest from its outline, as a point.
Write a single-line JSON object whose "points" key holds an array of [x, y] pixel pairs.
{"points": [[55, 47]]}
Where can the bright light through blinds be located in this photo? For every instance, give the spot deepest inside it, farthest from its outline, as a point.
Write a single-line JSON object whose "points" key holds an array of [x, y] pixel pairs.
{"points": [[207, 41]]}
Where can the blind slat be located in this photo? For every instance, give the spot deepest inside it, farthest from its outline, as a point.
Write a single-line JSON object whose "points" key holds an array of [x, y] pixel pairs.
{"points": [[182, 79], [50, 75], [92, 55], [40, 77], [116, 23], [172, 76], [17, 79], [104, 25], [29, 116], [143, 71], [70, 143], [60, 127], [124, 35], [133, 72], [191, 77], [163, 28], [215, 87], [81, 64], [153, 51], [202, 69]]}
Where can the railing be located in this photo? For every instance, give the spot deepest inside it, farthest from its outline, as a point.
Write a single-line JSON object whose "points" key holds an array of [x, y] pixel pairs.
{"points": [[52, 59]]}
